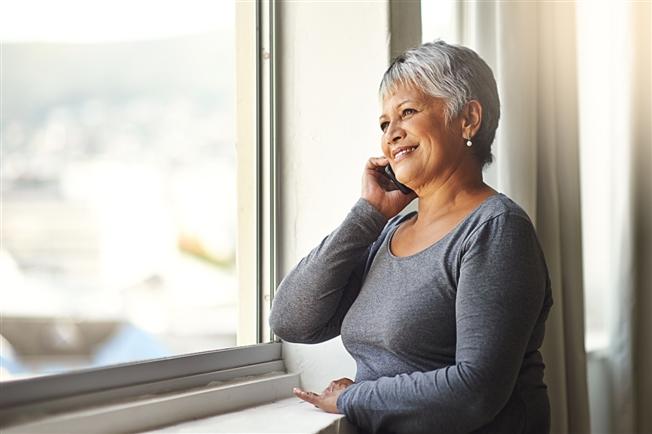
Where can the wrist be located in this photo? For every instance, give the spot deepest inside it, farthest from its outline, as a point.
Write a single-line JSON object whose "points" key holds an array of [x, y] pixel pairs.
{"points": [[340, 403]]}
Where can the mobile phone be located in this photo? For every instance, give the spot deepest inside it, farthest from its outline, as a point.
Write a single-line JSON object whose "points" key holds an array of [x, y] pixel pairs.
{"points": [[390, 174]]}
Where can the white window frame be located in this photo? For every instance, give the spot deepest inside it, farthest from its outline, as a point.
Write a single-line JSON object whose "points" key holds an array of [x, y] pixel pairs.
{"points": [[153, 393]]}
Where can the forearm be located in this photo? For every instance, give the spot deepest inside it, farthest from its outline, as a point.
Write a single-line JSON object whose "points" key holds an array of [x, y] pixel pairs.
{"points": [[448, 400], [310, 302]]}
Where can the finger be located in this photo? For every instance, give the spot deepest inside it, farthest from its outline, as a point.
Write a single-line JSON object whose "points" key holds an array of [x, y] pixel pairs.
{"points": [[299, 391], [310, 397], [375, 162], [376, 168], [341, 384]]}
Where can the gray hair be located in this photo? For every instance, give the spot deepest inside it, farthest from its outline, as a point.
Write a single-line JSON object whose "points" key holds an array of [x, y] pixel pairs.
{"points": [[458, 75]]}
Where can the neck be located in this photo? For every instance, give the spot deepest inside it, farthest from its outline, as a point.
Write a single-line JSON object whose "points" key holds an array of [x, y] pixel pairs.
{"points": [[461, 187]]}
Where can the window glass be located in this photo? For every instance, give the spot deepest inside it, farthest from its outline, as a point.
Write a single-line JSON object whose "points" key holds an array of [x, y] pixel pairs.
{"points": [[118, 192]]}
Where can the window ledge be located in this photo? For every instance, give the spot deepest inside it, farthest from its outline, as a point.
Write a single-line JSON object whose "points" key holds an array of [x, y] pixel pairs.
{"points": [[289, 415], [151, 412], [247, 390]]}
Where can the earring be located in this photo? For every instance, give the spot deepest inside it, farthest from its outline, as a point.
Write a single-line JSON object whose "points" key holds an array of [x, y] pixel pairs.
{"points": [[469, 143]]}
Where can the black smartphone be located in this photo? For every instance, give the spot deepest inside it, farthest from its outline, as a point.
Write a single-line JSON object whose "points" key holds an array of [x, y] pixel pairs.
{"points": [[390, 174]]}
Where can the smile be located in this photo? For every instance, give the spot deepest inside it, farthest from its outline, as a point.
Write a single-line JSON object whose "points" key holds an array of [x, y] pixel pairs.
{"points": [[401, 153]]}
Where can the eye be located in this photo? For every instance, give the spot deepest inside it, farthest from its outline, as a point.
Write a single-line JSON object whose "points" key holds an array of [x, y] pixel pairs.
{"points": [[384, 125], [408, 111]]}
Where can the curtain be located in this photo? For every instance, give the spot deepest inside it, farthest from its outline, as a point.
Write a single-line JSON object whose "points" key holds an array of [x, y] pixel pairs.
{"points": [[641, 139], [531, 48], [615, 51], [621, 130]]}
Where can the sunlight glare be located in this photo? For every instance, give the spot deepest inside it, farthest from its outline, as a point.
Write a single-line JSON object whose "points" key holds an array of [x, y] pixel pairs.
{"points": [[80, 21]]}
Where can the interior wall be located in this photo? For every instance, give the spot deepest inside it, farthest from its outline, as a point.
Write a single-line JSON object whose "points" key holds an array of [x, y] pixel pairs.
{"points": [[331, 56]]}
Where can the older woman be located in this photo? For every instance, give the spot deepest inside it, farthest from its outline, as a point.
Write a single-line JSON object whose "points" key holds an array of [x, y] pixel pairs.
{"points": [[442, 309]]}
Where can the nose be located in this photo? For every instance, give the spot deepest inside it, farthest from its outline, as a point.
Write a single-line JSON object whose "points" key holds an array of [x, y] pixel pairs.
{"points": [[394, 133]]}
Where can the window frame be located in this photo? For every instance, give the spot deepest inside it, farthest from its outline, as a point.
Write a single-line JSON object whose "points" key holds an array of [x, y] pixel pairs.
{"points": [[25, 402], [85, 398], [266, 164], [257, 184]]}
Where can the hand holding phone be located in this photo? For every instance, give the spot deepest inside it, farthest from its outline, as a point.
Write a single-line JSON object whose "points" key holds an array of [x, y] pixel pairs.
{"points": [[381, 189]]}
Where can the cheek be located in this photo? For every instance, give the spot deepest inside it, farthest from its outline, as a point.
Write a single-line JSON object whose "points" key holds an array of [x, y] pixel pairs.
{"points": [[384, 148]]}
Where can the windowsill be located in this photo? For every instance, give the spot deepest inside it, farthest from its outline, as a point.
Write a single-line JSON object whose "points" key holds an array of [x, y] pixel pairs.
{"points": [[262, 403], [246, 389], [146, 413], [289, 415]]}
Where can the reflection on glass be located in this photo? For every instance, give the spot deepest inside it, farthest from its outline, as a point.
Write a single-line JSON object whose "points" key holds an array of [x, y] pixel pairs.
{"points": [[118, 196]]}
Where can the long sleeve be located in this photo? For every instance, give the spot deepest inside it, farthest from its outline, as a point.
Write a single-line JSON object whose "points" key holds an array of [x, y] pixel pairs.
{"points": [[500, 300], [313, 298]]}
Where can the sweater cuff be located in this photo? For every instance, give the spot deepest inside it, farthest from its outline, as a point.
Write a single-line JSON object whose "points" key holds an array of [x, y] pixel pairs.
{"points": [[342, 401]]}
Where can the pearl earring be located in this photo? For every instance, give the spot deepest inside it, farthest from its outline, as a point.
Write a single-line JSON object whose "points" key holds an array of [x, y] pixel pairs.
{"points": [[469, 143]]}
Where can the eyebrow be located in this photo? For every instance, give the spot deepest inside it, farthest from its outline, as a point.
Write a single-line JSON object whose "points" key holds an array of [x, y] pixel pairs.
{"points": [[397, 105]]}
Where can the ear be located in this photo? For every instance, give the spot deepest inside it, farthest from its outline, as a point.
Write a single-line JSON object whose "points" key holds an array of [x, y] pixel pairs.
{"points": [[471, 119]]}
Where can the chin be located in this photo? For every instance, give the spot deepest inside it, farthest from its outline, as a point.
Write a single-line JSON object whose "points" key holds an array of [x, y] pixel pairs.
{"points": [[404, 172]]}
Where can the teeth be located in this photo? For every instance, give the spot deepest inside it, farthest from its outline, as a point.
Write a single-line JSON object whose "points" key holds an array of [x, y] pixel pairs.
{"points": [[405, 151]]}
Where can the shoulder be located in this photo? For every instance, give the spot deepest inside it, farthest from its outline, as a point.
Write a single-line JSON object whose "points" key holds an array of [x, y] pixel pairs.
{"points": [[502, 246], [500, 221], [499, 210], [500, 205]]}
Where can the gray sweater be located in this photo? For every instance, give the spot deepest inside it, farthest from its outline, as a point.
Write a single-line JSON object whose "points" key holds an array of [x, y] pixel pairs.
{"points": [[445, 340]]}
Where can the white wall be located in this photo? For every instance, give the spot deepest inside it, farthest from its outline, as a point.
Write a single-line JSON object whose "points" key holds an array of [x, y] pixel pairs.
{"points": [[333, 56]]}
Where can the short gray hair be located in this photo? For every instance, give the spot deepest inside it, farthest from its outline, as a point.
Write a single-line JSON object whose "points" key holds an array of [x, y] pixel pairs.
{"points": [[458, 75]]}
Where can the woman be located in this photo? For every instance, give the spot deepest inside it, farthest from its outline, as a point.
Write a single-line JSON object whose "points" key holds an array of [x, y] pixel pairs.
{"points": [[443, 309]]}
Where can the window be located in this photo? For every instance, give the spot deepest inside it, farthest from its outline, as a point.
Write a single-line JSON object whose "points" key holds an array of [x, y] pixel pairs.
{"points": [[123, 194]]}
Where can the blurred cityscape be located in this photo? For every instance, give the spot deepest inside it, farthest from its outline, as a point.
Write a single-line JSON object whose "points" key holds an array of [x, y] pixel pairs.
{"points": [[118, 219]]}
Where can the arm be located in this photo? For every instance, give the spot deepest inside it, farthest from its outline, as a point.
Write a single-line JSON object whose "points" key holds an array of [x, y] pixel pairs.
{"points": [[500, 295], [311, 301]]}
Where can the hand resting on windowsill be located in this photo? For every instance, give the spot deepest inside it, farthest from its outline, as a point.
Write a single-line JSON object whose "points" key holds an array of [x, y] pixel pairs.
{"points": [[327, 400]]}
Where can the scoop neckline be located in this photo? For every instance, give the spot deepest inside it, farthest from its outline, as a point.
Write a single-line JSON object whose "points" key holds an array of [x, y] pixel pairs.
{"points": [[448, 234]]}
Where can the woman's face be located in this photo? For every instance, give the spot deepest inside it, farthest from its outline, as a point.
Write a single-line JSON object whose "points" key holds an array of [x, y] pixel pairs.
{"points": [[420, 146]]}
